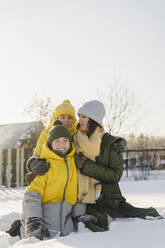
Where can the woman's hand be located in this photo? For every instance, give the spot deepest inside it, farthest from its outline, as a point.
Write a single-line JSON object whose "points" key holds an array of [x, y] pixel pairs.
{"points": [[119, 145], [79, 160], [37, 166]]}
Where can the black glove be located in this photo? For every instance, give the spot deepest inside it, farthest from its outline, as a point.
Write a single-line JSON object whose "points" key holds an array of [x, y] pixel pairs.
{"points": [[119, 145], [37, 166], [92, 223], [84, 219], [34, 227], [87, 218], [29, 177], [79, 160]]}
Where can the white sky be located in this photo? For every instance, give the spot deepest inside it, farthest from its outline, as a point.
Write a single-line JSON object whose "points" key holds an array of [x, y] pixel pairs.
{"points": [[70, 49]]}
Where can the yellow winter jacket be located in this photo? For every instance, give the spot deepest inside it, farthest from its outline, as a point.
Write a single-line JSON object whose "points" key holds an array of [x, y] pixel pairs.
{"points": [[44, 134], [60, 182]]}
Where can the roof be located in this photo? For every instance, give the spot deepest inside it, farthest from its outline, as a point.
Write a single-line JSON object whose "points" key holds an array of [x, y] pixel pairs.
{"points": [[10, 134]]}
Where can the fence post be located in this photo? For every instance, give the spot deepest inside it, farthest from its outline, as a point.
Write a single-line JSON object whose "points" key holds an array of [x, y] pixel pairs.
{"points": [[0, 167], [22, 166], [17, 167], [126, 163], [9, 167]]}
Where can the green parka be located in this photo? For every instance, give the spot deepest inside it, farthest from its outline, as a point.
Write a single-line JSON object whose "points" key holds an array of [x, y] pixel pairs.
{"points": [[108, 169]]}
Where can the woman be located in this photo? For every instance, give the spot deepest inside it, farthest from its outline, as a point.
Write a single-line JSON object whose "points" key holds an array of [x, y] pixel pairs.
{"points": [[106, 167]]}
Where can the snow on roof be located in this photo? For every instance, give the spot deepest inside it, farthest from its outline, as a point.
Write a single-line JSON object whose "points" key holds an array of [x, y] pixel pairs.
{"points": [[10, 134]]}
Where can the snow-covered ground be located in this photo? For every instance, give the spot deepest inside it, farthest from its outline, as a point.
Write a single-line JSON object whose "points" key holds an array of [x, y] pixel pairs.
{"points": [[127, 233]]}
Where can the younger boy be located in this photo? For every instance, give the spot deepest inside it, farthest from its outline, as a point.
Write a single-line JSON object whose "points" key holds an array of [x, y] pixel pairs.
{"points": [[48, 200]]}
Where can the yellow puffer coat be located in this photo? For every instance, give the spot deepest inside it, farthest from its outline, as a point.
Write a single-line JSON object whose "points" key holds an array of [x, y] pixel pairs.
{"points": [[44, 134], [60, 182]]}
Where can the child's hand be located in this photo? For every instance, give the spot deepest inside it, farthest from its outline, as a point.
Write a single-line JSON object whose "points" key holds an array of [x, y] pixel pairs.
{"points": [[34, 227]]}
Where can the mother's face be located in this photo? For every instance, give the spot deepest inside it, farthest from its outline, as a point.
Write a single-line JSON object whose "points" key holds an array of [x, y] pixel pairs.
{"points": [[83, 122], [66, 120]]}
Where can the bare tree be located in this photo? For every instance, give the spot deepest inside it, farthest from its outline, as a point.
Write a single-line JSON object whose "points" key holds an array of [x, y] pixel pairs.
{"points": [[122, 107], [40, 109], [144, 141]]}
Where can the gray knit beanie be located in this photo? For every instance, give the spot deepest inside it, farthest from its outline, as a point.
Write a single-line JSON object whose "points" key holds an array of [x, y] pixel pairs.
{"points": [[94, 110]]}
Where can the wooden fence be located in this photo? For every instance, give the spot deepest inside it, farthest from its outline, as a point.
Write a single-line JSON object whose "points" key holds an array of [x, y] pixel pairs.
{"points": [[13, 164], [140, 162]]}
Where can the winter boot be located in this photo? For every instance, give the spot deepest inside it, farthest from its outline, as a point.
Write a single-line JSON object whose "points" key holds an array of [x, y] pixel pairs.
{"points": [[15, 228]]}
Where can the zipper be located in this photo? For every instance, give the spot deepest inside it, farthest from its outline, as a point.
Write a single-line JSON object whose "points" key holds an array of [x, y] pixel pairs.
{"points": [[67, 167]]}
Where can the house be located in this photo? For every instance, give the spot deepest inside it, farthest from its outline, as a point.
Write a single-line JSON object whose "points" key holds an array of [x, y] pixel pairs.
{"points": [[12, 135]]}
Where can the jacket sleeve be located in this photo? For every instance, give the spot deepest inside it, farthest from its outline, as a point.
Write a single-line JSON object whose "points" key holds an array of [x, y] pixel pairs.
{"points": [[109, 173], [32, 202], [41, 140], [43, 137], [32, 206], [38, 184]]}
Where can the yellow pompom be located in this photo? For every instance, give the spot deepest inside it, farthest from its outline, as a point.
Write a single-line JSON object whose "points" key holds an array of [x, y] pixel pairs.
{"points": [[65, 108], [66, 101]]}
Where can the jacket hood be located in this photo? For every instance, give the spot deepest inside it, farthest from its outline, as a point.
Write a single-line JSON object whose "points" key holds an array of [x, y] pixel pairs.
{"points": [[49, 154]]}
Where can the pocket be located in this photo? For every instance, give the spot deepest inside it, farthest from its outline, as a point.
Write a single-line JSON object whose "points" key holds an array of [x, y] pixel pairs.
{"points": [[97, 187]]}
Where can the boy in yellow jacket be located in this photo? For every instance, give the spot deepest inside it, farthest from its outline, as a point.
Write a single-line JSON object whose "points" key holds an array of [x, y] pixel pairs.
{"points": [[48, 200]]}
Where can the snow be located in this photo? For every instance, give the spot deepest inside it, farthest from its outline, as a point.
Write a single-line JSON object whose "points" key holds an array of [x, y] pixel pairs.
{"points": [[125, 233]]}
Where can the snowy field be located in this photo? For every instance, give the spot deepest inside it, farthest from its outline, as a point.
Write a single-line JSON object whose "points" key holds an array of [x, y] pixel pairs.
{"points": [[127, 233]]}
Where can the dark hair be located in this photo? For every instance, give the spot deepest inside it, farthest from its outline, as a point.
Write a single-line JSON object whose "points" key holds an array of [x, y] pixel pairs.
{"points": [[92, 125]]}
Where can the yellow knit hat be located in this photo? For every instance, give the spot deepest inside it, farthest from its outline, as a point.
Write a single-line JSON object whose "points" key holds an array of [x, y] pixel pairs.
{"points": [[65, 108]]}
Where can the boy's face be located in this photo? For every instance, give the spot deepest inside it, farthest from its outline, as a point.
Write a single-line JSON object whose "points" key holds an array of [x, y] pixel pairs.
{"points": [[61, 144], [66, 120]]}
